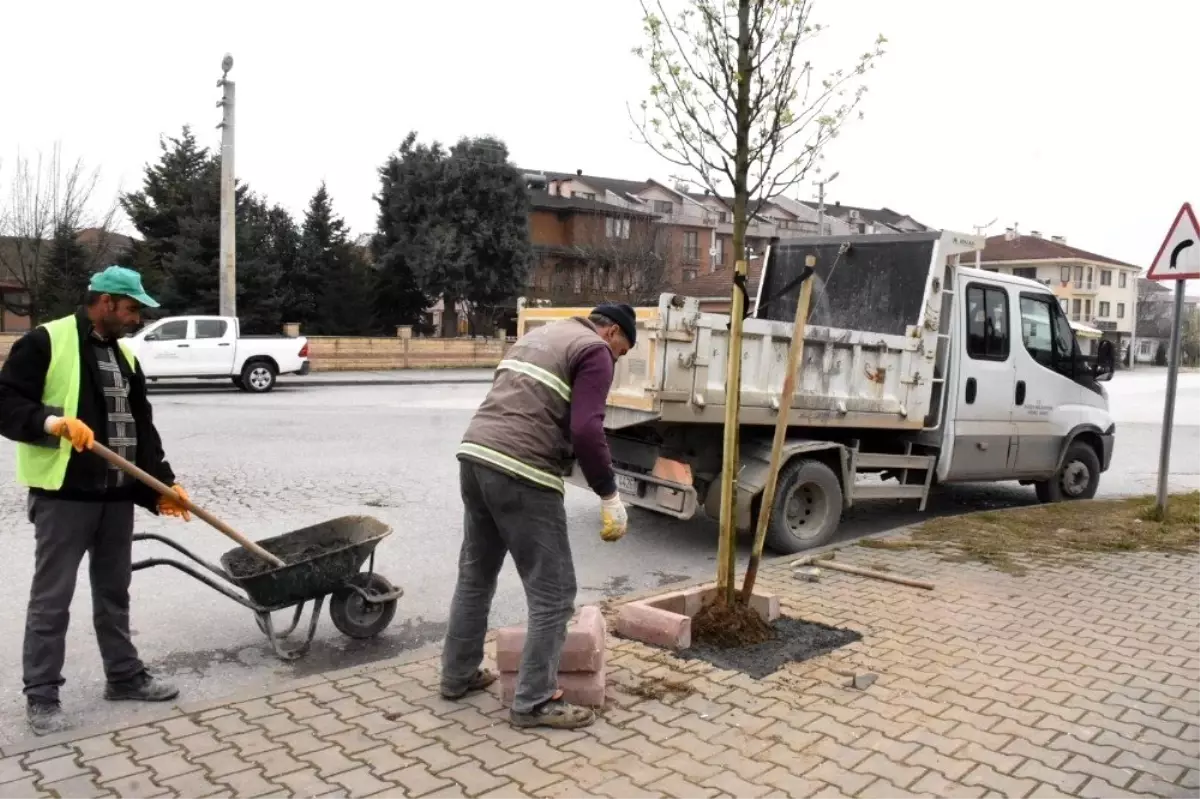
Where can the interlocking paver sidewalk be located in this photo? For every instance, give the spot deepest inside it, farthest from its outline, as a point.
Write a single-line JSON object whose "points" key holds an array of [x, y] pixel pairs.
{"points": [[1075, 680]]}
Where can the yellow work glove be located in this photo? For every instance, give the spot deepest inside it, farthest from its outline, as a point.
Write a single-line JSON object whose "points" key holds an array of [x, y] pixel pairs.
{"points": [[613, 519], [79, 434], [169, 507]]}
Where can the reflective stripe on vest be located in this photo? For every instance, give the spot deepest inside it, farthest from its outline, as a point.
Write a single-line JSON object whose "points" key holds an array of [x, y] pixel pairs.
{"points": [[45, 467], [548, 379], [512, 466]]}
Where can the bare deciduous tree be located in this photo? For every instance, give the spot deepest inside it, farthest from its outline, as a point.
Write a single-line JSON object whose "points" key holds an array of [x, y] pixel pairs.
{"points": [[43, 196], [734, 100]]}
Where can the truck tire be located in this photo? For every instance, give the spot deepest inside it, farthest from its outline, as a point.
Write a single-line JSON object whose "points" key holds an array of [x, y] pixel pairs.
{"points": [[807, 508], [258, 377], [1079, 477]]}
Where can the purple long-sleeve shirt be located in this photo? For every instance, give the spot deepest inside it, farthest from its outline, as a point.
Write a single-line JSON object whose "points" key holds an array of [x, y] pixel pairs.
{"points": [[591, 379]]}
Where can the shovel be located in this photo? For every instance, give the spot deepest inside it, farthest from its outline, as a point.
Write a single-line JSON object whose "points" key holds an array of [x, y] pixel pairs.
{"points": [[168, 492]]}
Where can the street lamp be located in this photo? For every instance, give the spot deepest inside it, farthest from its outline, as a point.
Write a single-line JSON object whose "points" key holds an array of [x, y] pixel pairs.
{"points": [[227, 269], [821, 202]]}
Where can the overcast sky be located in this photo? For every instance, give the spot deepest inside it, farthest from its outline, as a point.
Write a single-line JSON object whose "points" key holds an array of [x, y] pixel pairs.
{"points": [[1071, 117]]}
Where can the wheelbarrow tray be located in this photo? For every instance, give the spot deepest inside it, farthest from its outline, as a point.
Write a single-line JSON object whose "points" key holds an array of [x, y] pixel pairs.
{"points": [[319, 560]]}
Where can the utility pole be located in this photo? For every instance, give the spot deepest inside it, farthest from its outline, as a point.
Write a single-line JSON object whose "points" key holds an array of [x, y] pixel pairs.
{"points": [[821, 202], [228, 260]]}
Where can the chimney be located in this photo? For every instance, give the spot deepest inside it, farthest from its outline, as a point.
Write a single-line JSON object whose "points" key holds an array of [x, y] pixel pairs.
{"points": [[1059, 239], [1010, 233], [579, 172], [1037, 234]]}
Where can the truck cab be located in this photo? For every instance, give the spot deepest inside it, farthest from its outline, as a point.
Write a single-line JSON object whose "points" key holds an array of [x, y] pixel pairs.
{"points": [[1024, 403]]}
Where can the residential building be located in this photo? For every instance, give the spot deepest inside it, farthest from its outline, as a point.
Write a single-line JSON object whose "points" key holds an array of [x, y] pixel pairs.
{"points": [[1155, 315], [1098, 293], [695, 229], [587, 251]]}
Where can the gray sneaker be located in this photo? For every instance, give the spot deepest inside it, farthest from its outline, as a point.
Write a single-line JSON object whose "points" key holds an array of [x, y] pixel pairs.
{"points": [[142, 688], [45, 718]]}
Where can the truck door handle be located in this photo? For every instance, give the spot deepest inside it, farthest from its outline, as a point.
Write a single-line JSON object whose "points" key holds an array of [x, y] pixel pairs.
{"points": [[223, 344], [971, 389], [181, 346], [1020, 392]]}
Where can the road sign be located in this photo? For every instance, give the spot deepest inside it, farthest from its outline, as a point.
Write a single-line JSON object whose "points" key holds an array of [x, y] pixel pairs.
{"points": [[1179, 256]]}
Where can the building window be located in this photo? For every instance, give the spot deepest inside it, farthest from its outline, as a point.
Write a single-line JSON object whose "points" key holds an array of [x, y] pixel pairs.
{"points": [[664, 207], [1087, 309], [1065, 275], [1106, 277], [723, 217], [1145, 346], [1091, 282], [1076, 310], [691, 245], [616, 228], [689, 275], [578, 276], [1123, 280], [1104, 307], [584, 195], [1027, 272], [1079, 277], [719, 258], [1121, 308], [987, 323]]}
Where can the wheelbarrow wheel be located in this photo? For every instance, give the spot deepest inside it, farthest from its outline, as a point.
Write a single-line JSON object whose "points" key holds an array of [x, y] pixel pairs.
{"points": [[354, 616]]}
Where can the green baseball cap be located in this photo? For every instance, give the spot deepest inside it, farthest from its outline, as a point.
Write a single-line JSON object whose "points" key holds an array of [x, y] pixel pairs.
{"points": [[122, 281]]}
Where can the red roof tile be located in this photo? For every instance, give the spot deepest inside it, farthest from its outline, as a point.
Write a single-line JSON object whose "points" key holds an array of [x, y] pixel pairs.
{"points": [[1035, 248]]}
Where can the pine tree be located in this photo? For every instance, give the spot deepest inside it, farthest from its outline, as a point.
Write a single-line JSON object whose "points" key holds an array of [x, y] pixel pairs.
{"points": [[65, 274], [332, 279], [178, 214]]}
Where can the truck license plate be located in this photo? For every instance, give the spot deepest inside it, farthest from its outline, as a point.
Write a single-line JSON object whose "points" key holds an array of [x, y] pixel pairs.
{"points": [[627, 485]]}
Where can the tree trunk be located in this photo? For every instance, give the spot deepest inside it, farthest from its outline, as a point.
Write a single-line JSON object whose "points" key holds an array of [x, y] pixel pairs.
{"points": [[449, 316]]}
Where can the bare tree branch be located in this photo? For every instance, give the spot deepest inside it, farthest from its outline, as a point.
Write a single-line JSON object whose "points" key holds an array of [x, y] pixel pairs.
{"points": [[734, 101]]}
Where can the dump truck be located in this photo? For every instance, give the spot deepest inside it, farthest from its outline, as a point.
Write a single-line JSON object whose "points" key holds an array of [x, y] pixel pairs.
{"points": [[916, 370]]}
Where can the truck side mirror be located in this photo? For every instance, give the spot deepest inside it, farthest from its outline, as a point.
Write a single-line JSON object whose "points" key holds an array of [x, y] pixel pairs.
{"points": [[1106, 360]]}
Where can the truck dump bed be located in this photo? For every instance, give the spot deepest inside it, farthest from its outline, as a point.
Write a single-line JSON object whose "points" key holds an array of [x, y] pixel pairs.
{"points": [[869, 346]]}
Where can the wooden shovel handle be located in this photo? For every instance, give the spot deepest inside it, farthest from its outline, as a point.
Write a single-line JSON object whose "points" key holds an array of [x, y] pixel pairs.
{"points": [[168, 492]]}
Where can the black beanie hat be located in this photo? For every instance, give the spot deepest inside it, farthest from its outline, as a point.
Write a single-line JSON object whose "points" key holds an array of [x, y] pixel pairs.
{"points": [[623, 316]]}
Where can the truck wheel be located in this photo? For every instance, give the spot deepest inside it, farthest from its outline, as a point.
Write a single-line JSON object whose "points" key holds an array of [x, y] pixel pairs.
{"points": [[807, 509], [258, 377], [1078, 478]]}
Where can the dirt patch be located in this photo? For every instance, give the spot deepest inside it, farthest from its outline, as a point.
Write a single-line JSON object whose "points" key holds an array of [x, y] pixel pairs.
{"points": [[727, 626], [242, 564], [1057, 532], [659, 688], [793, 640]]}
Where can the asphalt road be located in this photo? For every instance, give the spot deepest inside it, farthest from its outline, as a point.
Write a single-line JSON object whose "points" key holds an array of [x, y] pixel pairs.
{"points": [[274, 463]]}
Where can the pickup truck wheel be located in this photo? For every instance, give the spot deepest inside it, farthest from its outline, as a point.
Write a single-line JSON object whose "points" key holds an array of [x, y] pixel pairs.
{"points": [[807, 509], [258, 377], [1079, 477]]}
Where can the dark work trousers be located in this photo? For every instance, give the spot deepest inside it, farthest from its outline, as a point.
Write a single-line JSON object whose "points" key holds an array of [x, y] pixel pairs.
{"points": [[64, 532], [505, 515]]}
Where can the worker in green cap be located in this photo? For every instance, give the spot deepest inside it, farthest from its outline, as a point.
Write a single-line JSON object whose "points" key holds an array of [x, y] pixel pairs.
{"points": [[65, 385]]}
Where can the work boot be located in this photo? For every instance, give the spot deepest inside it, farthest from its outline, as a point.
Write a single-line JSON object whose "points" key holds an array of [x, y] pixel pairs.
{"points": [[45, 716], [554, 713], [142, 688]]}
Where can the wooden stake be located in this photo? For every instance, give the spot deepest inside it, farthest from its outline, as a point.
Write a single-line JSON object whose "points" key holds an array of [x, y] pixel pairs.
{"points": [[727, 549], [841, 567], [795, 354]]}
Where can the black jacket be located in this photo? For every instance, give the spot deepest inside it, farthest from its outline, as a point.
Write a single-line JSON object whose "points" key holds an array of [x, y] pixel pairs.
{"points": [[23, 417]]}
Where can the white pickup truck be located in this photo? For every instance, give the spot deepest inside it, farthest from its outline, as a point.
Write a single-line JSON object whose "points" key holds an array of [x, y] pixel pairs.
{"points": [[210, 348]]}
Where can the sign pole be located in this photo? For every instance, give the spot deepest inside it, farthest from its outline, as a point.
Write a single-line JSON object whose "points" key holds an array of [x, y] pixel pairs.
{"points": [[1164, 457]]}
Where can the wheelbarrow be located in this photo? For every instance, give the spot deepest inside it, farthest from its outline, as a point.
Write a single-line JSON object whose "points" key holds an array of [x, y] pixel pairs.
{"points": [[288, 571]]}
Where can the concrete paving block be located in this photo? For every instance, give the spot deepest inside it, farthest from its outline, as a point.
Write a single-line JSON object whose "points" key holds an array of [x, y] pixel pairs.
{"points": [[655, 626], [582, 652]]}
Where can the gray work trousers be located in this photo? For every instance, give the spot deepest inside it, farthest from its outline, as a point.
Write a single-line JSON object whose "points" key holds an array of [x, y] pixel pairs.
{"points": [[505, 515], [64, 531]]}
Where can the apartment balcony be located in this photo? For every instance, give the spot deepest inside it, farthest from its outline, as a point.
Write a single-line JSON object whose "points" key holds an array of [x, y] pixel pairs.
{"points": [[1081, 287]]}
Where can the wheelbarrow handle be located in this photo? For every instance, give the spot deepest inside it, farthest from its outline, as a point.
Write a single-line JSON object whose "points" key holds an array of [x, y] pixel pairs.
{"points": [[140, 474]]}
